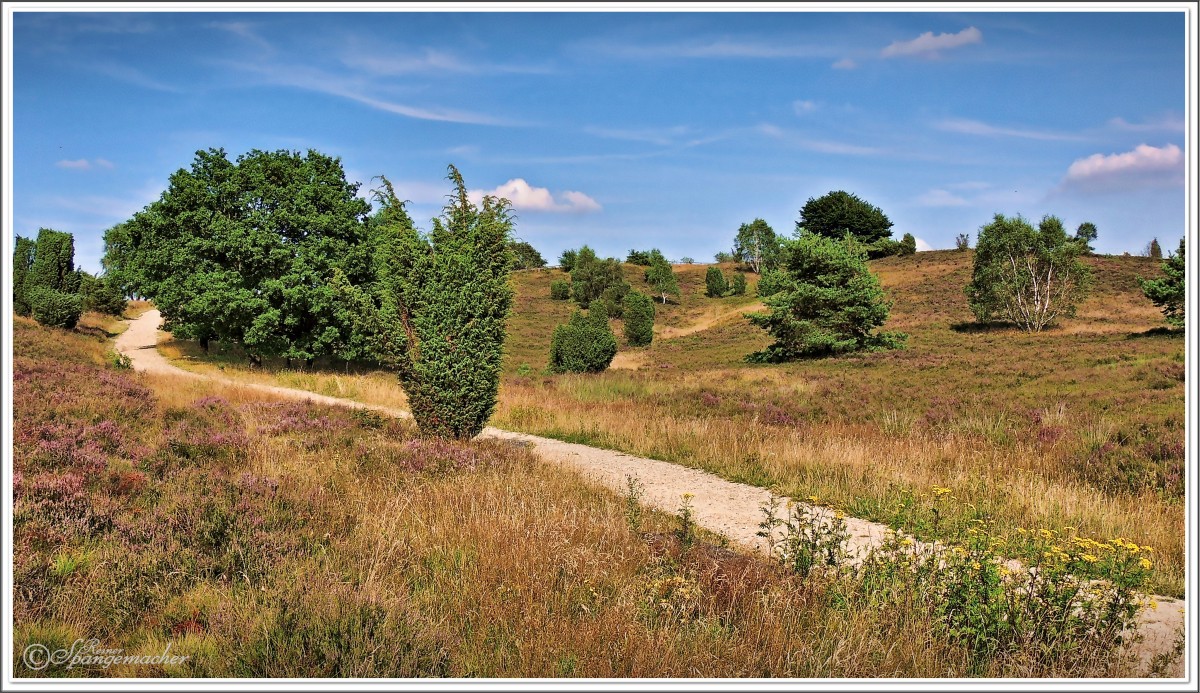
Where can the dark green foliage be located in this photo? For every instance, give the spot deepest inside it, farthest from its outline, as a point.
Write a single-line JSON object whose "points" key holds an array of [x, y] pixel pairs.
{"points": [[828, 302], [244, 251], [724, 256], [687, 260], [662, 278], [53, 264], [590, 276], [838, 213], [1028, 276], [566, 261], [715, 285], [756, 246], [738, 287], [525, 256], [962, 241], [441, 303], [586, 344], [613, 299], [639, 319], [884, 247], [50, 285], [55, 308], [1085, 235], [1154, 250], [1170, 292], [771, 283], [101, 295], [560, 290], [908, 244], [23, 254], [644, 258]]}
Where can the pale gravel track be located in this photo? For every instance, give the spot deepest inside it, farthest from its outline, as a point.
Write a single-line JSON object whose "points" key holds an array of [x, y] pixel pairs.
{"points": [[725, 507]]}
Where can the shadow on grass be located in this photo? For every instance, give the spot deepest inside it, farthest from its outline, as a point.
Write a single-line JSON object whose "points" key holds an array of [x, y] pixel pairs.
{"points": [[971, 326], [221, 355], [1168, 332]]}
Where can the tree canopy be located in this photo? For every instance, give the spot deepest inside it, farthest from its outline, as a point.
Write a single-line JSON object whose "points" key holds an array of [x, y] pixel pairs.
{"points": [[243, 251], [838, 213], [756, 245], [826, 302], [1170, 292], [1025, 275], [662, 278]]}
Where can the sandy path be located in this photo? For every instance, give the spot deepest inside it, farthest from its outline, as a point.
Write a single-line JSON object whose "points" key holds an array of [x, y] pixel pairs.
{"points": [[725, 507], [705, 321]]}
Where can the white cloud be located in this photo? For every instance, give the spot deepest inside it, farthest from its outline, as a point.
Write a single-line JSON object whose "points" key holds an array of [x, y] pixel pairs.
{"points": [[1168, 123], [922, 246], [660, 136], [524, 196], [845, 64], [975, 127], [940, 198], [243, 30], [824, 146], [84, 164], [928, 45], [805, 106], [131, 75], [1143, 164]]}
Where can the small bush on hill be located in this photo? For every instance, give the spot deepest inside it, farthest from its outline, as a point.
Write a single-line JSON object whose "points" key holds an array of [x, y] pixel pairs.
{"points": [[101, 295], [586, 344], [715, 285], [55, 308], [639, 319], [560, 290], [738, 288], [1170, 293]]}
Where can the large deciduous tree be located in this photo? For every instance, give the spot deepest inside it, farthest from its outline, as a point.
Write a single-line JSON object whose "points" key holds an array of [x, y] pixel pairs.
{"points": [[838, 213], [1170, 291], [662, 278], [756, 245], [525, 256], [244, 251], [1025, 275], [591, 277], [827, 302]]}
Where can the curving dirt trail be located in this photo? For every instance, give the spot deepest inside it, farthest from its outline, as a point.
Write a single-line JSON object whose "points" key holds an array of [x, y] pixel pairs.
{"points": [[725, 507]]}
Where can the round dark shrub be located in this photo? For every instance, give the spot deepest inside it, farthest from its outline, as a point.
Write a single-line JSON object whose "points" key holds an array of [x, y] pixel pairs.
{"points": [[586, 344], [56, 308], [639, 319], [560, 290]]}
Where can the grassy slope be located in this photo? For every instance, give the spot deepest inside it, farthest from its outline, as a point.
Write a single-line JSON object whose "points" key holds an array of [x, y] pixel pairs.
{"points": [[1080, 426], [291, 540]]}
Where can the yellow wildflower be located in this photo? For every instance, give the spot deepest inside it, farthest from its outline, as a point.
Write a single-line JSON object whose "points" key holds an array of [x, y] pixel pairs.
{"points": [[814, 500], [940, 490], [1089, 558], [1146, 564], [906, 542], [1046, 533]]}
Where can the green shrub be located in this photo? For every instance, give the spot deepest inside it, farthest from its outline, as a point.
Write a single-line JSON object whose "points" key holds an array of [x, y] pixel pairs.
{"points": [[1169, 293], [566, 261], [715, 285], [23, 254], [439, 308], [639, 319], [738, 288], [560, 290], [831, 305], [908, 244], [772, 282], [613, 299], [586, 344], [590, 276], [55, 308], [101, 295]]}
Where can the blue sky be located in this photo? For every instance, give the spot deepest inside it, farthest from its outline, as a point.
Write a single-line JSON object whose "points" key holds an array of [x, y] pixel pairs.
{"points": [[623, 130]]}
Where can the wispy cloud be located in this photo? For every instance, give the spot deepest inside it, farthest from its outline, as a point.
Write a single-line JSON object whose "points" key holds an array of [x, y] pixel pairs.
{"points": [[356, 90], [524, 196], [929, 45], [1144, 165], [380, 61], [131, 75], [714, 48], [1167, 123], [244, 31], [845, 64], [805, 106], [661, 136], [975, 127], [816, 145], [84, 164], [939, 197]]}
